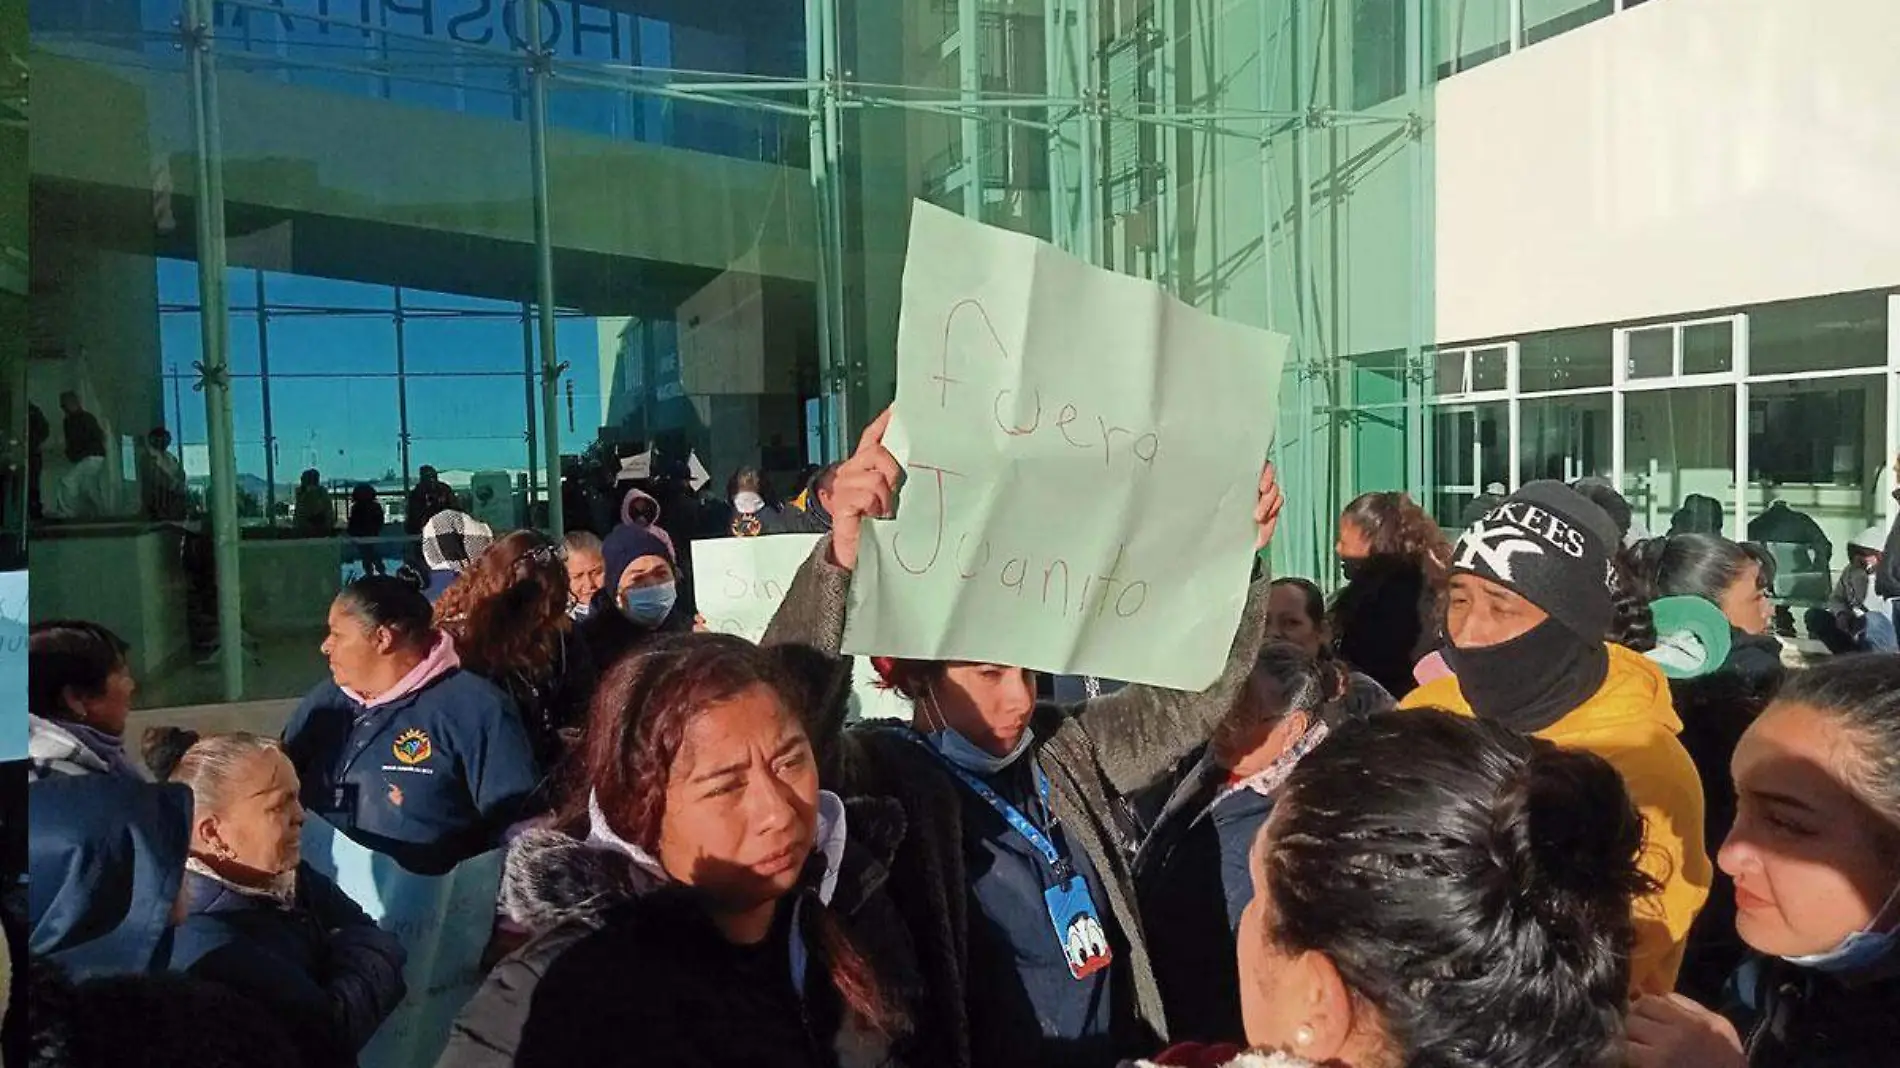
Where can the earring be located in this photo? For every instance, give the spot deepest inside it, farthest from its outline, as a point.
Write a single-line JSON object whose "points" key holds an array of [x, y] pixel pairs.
{"points": [[1303, 1036]]}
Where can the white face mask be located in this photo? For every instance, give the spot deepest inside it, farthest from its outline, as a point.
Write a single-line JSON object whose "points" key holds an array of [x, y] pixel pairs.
{"points": [[748, 503]]}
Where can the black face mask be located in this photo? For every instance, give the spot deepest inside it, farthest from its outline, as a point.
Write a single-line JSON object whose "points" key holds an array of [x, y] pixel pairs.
{"points": [[1533, 680], [1353, 568]]}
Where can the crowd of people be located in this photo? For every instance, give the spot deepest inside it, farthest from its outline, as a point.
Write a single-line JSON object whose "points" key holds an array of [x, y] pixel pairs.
{"points": [[1548, 794]]}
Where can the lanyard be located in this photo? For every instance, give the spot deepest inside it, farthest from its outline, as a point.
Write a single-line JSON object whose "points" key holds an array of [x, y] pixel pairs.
{"points": [[1016, 820]]}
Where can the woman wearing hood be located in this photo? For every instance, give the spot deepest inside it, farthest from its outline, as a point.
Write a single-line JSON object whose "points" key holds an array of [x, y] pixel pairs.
{"points": [[641, 509], [265, 924], [1815, 857], [1436, 891], [1529, 608], [637, 599], [106, 859], [402, 750], [1017, 882], [79, 692], [701, 901]]}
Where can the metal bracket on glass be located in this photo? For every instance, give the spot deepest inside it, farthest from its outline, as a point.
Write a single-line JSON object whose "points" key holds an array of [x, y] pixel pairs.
{"points": [[193, 36], [1319, 118], [1415, 126], [210, 376]]}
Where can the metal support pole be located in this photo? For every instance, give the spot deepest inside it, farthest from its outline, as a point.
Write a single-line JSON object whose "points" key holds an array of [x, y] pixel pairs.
{"points": [[263, 379], [1089, 136], [220, 436], [551, 368], [969, 90], [1418, 73], [527, 388], [402, 388], [831, 376]]}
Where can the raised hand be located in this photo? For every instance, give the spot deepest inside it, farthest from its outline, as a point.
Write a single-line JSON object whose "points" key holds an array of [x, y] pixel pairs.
{"points": [[1266, 509], [865, 486]]}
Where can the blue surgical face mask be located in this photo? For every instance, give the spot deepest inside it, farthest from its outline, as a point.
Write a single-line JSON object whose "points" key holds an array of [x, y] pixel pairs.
{"points": [[965, 753], [973, 758], [1859, 949], [649, 605]]}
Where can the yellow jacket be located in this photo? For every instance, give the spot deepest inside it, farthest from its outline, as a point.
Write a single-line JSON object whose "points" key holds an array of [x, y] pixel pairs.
{"points": [[1632, 724]]}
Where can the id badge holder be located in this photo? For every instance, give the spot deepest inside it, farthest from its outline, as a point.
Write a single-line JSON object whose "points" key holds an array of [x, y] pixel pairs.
{"points": [[1078, 927], [340, 806]]}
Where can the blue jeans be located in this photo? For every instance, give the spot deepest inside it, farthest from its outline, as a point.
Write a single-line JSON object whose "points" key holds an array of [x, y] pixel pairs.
{"points": [[1880, 635]]}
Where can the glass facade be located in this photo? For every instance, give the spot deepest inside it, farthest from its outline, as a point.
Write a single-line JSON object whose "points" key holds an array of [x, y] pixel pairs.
{"points": [[322, 244], [1775, 423]]}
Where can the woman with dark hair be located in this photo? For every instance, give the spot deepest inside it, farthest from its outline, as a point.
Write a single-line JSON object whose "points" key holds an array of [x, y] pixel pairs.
{"points": [[637, 600], [1015, 881], [701, 901], [315, 515], [402, 750], [1708, 601], [1815, 856], [1296, 613], [1436, 891], [1388, 616], [1191, 871], [79, 693], [508, 617], [265, 924]]}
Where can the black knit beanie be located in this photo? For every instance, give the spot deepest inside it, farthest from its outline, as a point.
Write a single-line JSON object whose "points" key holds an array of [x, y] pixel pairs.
{"points": [[1555, 548]]}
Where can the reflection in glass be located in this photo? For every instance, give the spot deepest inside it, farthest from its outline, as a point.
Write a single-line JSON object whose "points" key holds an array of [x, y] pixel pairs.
{"points": [[1565, 438], [1470, 458], [1679, 450], [1652, 352], [1566, 359], [1816, 473]]}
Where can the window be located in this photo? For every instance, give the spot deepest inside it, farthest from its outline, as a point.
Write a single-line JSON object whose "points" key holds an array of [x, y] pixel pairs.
{"points": [[1544, 19], [1825, 333], [1568, 359], [1378, 52], [1476, 370], [1675, 349]]}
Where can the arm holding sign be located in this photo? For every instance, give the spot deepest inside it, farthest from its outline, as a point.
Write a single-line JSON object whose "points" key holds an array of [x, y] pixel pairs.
{"points": [[1141, 732]]}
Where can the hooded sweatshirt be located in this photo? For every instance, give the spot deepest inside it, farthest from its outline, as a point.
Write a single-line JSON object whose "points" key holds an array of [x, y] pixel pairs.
{"points": [[61, 748], [1631, 723], [429, 773], [105, 862]]}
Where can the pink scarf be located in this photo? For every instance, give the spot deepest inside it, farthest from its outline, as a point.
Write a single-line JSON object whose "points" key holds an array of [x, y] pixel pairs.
{"points": [[440, 661]]}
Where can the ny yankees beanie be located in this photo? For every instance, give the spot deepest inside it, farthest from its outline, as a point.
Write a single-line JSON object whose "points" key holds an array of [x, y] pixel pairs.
{"points": [[1552, 546]]}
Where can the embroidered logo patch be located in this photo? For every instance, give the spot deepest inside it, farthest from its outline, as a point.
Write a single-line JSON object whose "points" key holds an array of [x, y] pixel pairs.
{"points": [[412, 747]]}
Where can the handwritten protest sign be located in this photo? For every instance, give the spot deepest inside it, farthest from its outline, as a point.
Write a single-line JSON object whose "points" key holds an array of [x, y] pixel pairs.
{"points": [[1082, 455], [740, 584], [444, 922]]}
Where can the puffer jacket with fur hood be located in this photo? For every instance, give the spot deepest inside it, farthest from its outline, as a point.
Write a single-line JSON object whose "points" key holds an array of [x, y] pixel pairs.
{"points": [[624, 968]]}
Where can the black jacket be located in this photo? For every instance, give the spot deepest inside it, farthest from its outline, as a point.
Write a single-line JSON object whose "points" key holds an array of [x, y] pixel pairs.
{"points": [[1887, 575], [621, 972], [1386, 620], [1094, 755], [321, 967], [1716, 709], [1794, 1017]]}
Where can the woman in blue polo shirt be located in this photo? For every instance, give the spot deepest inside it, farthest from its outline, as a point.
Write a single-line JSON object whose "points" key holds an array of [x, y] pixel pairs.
{"points": [[402, 750]]}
